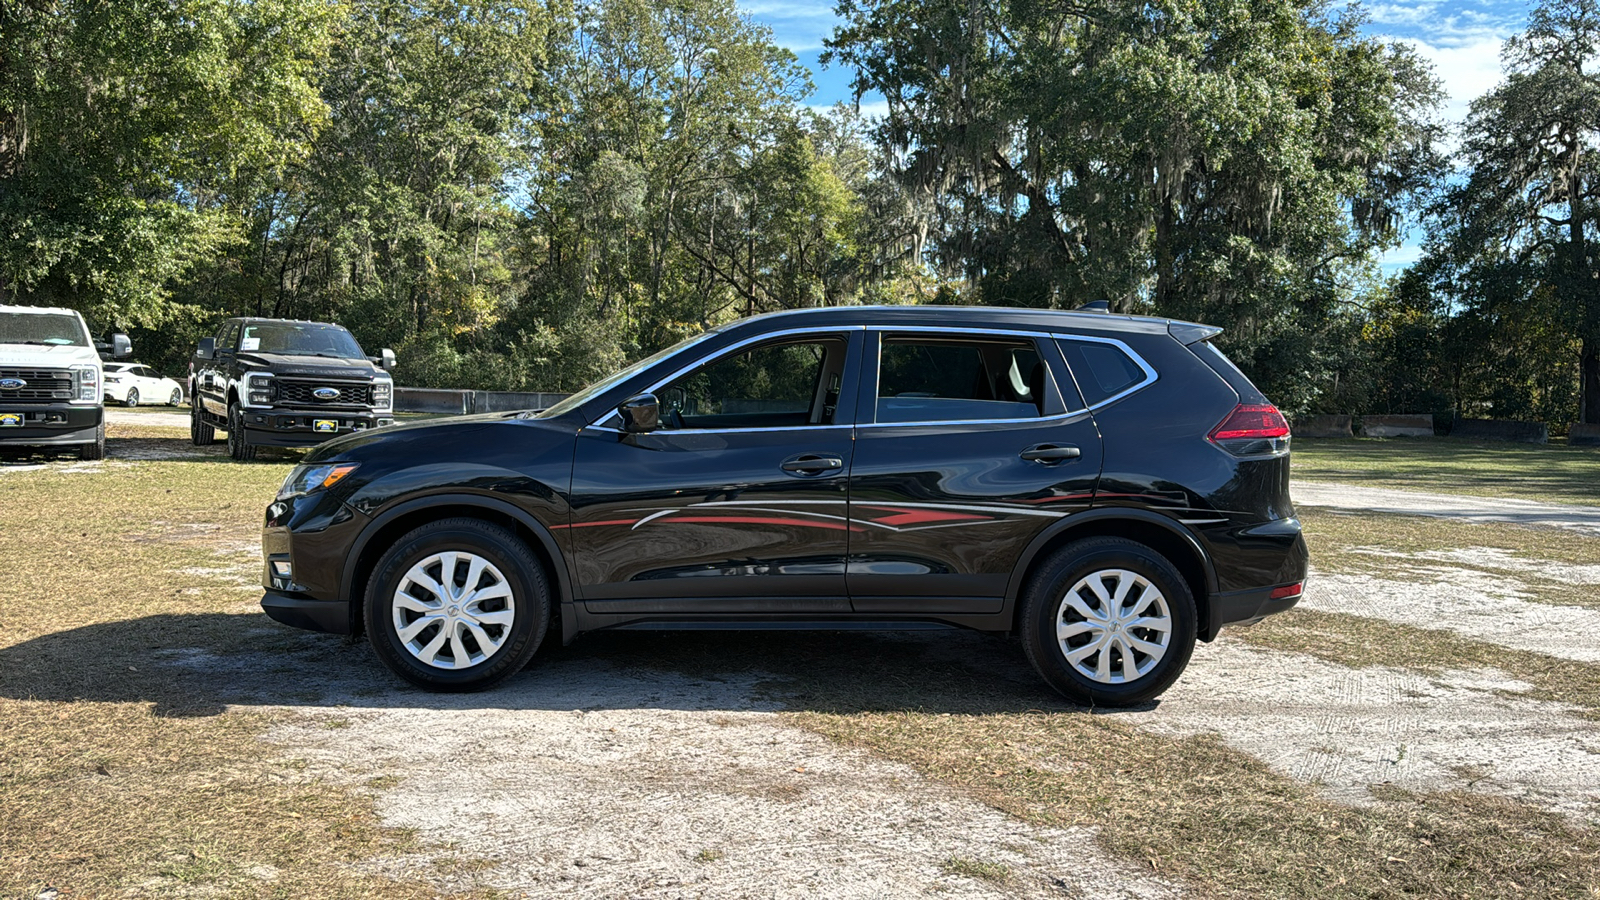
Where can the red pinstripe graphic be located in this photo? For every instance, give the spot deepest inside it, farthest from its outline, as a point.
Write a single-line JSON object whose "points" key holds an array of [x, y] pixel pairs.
{"points": [[904, 516], [759, 520]]}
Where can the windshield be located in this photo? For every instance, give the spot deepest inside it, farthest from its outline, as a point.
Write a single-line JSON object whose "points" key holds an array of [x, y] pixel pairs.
{"points": [[606, 384], [49, 329], [299, 339]]}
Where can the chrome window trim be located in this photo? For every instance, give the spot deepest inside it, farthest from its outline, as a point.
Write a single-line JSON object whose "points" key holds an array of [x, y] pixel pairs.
{"points": [[771, 335], [1150, 375]]}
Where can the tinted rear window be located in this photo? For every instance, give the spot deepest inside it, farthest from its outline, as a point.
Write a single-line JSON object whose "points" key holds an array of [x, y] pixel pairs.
{"points": [[1102, 370]]}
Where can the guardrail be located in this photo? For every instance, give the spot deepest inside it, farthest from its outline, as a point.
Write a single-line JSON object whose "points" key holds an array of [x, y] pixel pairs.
{"points": [[460, 403]]}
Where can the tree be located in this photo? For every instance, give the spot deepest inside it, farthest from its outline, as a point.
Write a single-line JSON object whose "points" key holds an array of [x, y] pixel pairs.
{"points": [[123, 130], [1219, 161], [1518, 232]]}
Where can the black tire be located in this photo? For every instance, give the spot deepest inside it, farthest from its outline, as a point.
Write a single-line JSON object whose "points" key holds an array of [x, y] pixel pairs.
{"points": [[239, 446], [201, 434], [518, 569], [176, 398], [97, 448], [132, 399], [1102, 560]]}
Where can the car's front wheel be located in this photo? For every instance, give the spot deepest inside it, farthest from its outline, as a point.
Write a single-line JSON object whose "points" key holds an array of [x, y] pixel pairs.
{"points": [[1108, 622], [176, 397], [132, 399], [457, 605], [239, 446]]}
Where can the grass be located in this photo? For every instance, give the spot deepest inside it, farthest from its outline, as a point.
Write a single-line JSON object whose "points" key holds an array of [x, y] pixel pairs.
{"points": [[1552, 473], [996, 873], [119, 770]]}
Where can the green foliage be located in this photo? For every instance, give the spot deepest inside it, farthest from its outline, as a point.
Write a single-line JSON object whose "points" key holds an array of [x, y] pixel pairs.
{"points": [[1214, 161]]}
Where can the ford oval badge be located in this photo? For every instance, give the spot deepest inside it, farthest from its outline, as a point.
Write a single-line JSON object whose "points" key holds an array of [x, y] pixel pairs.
{"points": [[12, 384], [326, 393]]}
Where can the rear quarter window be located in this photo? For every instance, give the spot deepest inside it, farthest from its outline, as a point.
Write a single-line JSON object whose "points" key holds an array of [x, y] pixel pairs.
{"points": [[1102, 370]]}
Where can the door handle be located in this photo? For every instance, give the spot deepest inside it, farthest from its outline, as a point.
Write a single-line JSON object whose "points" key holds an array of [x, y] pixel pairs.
{"points": [[1050, 453], [811, 464]]}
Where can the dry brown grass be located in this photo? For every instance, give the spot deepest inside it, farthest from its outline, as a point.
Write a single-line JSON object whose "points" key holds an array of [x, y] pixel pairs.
{"points": [[121, 772]]}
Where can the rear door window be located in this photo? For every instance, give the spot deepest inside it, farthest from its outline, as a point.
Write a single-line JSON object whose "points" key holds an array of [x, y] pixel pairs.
{"points": [[922, 379]]}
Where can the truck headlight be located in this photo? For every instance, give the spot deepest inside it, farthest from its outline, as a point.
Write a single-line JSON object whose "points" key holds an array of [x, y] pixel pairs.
{"points": [[87, 378], [257, 389], [382, 393], [306, 479]]}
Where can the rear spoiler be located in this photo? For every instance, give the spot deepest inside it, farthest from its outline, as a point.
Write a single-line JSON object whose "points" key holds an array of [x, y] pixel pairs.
{"points": [[1187, 333]]}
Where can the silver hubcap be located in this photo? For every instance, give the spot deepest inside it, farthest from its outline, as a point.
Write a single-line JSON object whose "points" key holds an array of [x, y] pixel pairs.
{"points": [[453, 610], [1114, 626]]}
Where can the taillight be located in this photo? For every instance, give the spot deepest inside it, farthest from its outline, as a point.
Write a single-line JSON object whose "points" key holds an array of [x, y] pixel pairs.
{"points": [[1287, 591], [1252, 428], [1251, 421]]}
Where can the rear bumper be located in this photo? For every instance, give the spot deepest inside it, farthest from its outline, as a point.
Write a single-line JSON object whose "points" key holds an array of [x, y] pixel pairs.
{"points": [[301, 611], [1246, 607], [50, 424]]}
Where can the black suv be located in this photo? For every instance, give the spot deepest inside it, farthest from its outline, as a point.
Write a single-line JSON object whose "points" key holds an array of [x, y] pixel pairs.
{"points": [[1109, 488], [285, 383]]}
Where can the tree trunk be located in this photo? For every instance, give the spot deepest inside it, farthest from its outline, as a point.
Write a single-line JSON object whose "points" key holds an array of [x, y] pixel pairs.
{"points": [[1589, 382]]}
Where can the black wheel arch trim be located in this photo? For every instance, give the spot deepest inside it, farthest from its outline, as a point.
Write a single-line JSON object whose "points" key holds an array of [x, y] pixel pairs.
{"points": [[560, 567], [1113, 514]]}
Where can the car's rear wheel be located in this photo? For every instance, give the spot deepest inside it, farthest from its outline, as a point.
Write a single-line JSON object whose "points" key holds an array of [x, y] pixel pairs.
{"points": [[239, 446], [176, 397], [132, 399], [201, 433], [1108, 622], [457, 605]]}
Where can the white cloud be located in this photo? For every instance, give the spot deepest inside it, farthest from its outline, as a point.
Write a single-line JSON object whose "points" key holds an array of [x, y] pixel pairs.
{"points": [[1468, 70], [796, 25]]}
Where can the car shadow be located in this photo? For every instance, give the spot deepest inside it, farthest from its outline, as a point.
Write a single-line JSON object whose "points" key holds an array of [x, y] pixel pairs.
{"points": [[202, 664]]}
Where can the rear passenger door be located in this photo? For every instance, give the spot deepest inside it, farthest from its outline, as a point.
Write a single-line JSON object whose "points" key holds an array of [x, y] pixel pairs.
{"points": [[968, 445]]}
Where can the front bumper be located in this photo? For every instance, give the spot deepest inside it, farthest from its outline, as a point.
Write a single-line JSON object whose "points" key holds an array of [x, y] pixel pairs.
{"points": [[311, 535], [301, 611], [50, 424], [292, 427]]}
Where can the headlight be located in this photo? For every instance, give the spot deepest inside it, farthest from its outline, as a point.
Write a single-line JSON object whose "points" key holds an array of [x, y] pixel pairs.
{"points": [[307, 479], [382, 392], [113, 379], [87, 378], [257, 389]]}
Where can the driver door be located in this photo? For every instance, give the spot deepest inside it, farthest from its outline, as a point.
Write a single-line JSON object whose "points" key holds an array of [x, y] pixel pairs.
{"points": [[738, 503]]}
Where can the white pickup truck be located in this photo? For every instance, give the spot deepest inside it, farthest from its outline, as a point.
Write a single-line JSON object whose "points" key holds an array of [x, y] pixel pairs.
{"points": [[50, 380]]}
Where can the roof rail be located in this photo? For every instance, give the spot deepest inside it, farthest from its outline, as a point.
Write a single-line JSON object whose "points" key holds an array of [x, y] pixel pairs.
{"points": [[1099, 306]]}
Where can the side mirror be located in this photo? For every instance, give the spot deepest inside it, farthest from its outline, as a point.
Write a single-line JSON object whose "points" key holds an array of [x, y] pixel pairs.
{"points": [[207, 348], [640, 414], [386, 357], [121, 347]]}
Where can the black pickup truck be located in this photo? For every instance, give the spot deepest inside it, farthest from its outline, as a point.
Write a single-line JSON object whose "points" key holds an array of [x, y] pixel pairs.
{"points": [[285, 383]]}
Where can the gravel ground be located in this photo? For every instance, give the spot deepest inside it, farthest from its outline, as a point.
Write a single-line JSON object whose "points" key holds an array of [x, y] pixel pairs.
{"points": [[1467, 602], [630, 783], [129, 417], [1350, 728], [1449, 506]]}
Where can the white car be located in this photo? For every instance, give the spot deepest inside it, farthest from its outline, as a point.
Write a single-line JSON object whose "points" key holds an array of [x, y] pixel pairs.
{"points": [[134, 383]]}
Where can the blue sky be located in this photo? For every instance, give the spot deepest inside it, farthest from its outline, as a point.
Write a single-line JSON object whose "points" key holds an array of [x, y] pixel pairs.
{"points": [[1462, 38]]}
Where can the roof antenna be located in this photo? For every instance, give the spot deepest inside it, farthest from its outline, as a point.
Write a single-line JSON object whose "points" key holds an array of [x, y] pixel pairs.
{"points": [[1099, 306]]}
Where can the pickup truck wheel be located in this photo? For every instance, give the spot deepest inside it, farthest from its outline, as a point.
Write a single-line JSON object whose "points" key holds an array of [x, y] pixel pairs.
{"points": [[457, 605], [132, 399], [239, 446], [1108, 622], [177, 397], [200, 433], [97, 448]]}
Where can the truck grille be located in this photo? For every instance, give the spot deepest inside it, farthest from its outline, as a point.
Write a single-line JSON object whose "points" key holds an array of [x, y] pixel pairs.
{"points": [[43, 385], [298, 392]]}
